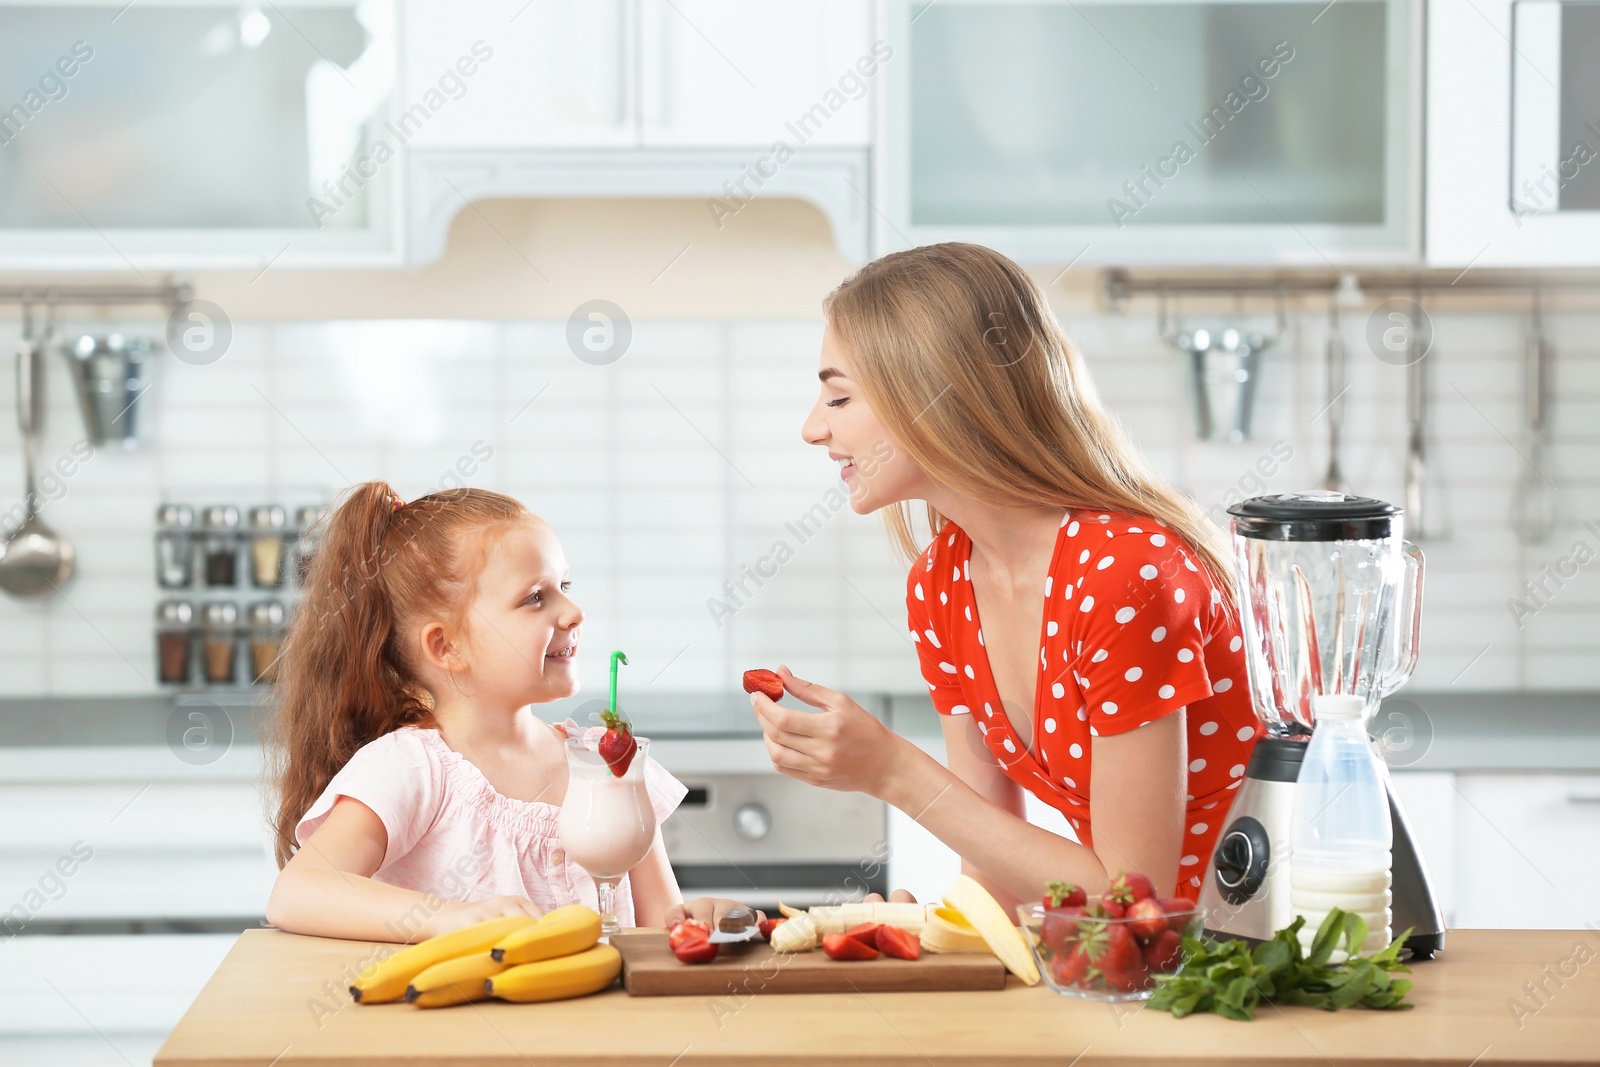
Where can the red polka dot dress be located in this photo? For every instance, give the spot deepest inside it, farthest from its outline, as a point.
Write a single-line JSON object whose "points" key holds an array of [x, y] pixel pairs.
{"points": [[1133, 630]]}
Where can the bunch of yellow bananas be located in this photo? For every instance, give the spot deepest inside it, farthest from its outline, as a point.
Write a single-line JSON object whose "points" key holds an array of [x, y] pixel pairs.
{"points": [[519, 958]]}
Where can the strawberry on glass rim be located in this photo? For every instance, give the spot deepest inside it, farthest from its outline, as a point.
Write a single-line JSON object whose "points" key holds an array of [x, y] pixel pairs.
{"points": [[617, 745]]}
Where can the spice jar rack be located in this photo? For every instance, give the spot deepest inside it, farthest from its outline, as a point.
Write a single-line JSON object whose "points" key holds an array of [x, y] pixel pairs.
{"points": [[232, 578]]}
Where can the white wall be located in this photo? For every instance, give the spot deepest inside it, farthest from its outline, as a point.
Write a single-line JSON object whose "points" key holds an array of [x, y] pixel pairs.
{"points": [[668, 470]]}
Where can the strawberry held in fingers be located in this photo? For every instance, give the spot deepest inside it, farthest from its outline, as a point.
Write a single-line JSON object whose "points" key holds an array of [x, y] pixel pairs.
{"points": [[765, 682]]}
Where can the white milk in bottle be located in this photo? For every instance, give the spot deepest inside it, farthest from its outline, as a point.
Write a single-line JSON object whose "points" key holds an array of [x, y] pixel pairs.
{"points": [[1342, 834]]}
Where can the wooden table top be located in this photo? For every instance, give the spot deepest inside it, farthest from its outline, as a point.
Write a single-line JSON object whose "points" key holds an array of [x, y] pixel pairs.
{"points": [[278, 999]]}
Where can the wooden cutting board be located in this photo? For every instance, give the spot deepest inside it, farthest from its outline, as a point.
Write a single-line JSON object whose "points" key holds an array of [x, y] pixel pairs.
{"points": [[649, 969]]}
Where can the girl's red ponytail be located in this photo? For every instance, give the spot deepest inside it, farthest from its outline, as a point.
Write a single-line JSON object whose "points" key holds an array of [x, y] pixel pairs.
{"points": [[344, 678]]}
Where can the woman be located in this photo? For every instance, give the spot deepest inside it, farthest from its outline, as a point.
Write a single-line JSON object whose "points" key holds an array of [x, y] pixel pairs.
{"points": [[1072, 613]]}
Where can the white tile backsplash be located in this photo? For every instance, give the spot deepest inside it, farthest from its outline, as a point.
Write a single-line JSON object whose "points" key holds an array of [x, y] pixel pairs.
{"points": [[674, 471]]}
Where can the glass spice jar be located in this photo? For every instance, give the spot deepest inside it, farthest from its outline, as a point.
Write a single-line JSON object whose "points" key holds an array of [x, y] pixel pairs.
{"points": [[174, 546], [266, 639], [220, 638], [308, 522], [174, 641], [268, 529], [220, 525]]}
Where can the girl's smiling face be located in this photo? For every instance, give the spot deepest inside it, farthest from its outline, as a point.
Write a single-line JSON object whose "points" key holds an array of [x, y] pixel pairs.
{"points": [[520, 637], [875, 469]]}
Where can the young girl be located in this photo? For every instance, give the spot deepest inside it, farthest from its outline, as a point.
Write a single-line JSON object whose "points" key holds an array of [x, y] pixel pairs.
{"points": [[415, 795]]}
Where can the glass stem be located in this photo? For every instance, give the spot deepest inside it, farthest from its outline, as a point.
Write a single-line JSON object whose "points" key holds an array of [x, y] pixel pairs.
{"points": [[607, 889]]}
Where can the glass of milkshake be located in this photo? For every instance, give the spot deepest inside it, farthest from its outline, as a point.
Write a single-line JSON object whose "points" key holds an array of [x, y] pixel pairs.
{"points": [[607, 824]]}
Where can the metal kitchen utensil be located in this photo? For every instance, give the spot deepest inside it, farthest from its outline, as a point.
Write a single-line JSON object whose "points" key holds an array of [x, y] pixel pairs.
{"points": [[1198, 346], [35, 561], [109, 373], [1416, 468], [1535, 503], [1336, 359], [739, 924]]}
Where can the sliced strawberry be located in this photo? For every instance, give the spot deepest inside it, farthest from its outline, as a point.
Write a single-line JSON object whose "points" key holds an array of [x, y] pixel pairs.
{"points": [[687, 930], [617, 745], [696, 950], [1164, 953], [1109, 908], [866, 933], [845, 947], [1064, 895], [765, 682], [1146, 919], [901, 944], [766, 926]]}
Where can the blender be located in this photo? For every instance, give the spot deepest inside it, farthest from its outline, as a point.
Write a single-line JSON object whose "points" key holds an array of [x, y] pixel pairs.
{"points": [[1330, 600]]}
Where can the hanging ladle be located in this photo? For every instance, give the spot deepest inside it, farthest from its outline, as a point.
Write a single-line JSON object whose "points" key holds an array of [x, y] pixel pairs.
{"points": [[35, 561]]}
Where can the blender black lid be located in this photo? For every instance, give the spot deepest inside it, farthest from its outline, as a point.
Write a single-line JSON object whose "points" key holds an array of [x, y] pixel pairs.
{"points": [[1315, 515]]}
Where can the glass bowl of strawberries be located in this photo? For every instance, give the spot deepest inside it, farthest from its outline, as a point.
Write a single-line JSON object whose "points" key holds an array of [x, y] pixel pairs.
{"points": [[1109, 948]]}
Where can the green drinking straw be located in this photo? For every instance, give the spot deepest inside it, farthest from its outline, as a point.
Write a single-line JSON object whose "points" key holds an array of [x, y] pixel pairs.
{"points": [[616, 657]]}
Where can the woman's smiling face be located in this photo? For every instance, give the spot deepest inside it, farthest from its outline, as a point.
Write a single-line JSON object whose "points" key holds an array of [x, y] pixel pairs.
{"points": [[876, 470]]}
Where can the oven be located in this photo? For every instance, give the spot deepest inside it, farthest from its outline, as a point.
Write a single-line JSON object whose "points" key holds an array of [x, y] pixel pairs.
{"points": [[746, 832]]}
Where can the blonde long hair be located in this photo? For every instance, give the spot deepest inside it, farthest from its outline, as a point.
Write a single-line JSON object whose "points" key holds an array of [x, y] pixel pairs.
{"points": [[958, 353]]}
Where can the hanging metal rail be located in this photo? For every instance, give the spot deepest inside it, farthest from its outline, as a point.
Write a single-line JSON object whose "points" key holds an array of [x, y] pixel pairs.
{"points": [[170, 294]]}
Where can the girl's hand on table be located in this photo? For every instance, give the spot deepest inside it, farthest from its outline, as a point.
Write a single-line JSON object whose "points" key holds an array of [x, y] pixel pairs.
{"points": [[708, 910], [840, 746], [454, 916]]}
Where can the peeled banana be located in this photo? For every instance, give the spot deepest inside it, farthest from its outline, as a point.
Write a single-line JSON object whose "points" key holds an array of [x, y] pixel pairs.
{"points": [[948, 931], [984, 914], [387, 979], [841, 918], [558, 979], [559, 933], [453, 981], [797, 934]]}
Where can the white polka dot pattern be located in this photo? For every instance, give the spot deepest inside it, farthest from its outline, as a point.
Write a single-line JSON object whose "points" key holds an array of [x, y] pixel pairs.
{"points": [[1142, 641]]}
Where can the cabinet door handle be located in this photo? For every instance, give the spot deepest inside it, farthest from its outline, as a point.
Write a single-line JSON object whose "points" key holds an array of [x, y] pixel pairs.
{"points": [[1580, 798]]}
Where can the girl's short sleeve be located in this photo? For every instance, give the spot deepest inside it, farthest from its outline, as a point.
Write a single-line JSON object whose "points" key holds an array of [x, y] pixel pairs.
{"points": [[938, 670], [396, 776], [1136, 621], [666, 792]]}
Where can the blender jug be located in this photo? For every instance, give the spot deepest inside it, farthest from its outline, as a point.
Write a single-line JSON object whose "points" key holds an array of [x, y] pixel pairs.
{"points": [[1330, 601], [1330, 598]]}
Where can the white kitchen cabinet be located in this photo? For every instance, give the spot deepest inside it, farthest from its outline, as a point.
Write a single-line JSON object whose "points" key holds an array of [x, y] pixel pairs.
{"points": [[1186, 132], [197, 134], [1528, 850], [133, 849], [514, 74], [720, 73], [1513, 134], [133, 984], [1429, 801], [924, 865], [638, 98]]}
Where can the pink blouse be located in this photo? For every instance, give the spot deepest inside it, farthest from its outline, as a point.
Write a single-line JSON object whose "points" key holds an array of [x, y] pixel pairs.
{"points": [[452, 835]]}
